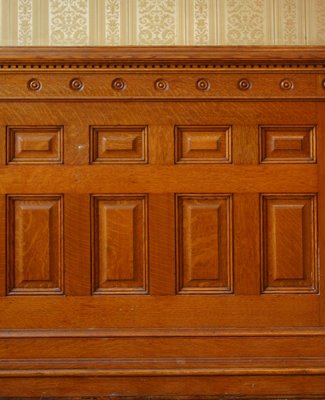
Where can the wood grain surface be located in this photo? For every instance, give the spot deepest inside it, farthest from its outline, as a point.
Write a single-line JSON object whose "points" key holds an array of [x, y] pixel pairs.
{"points": [[161, 223]]}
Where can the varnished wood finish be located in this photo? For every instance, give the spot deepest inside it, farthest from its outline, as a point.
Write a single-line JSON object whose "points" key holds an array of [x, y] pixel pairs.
{"points": [[34, 237], [161, 222], [120, 244], [203, 144], [290, 243], [204, 244], [288, 144], [34, 145]]}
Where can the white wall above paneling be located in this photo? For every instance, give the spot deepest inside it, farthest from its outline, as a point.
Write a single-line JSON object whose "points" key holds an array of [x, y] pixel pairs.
{"points": [[161, 22]]}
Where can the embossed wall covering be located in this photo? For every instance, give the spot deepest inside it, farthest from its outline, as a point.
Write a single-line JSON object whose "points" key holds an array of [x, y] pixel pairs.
{"points": [[161, 22]]}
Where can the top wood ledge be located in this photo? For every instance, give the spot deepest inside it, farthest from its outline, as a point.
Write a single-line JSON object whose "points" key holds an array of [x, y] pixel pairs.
{"points": [[163, 57]]}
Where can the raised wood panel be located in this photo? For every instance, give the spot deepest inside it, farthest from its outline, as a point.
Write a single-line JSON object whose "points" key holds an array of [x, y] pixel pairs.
{"points": [[203, 144], [34, 144], [118, 144], [288, 144], [289, 240], [34, 245], [120, 263], [204, 225]]}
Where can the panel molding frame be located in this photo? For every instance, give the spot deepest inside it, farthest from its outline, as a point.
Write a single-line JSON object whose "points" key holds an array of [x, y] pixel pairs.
{"points": [[95, 284], [96, 158], [181, 130], [11, 147], [314, 284], [226, 289], [311, 129], [11, 290]]}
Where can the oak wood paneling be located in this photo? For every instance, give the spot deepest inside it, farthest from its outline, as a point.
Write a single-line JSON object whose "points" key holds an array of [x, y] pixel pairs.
{"points": [[179, 217], [120, 244], [290, 245], [205, 144], [288, 144], [205, 244], [118, 144], [34, 145], [34, 237]]}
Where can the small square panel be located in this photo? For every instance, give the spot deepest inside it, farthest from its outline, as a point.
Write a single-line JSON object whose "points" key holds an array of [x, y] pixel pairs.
{"points": [[287, 144], [34, 144], [203, 144], [118, 144]]}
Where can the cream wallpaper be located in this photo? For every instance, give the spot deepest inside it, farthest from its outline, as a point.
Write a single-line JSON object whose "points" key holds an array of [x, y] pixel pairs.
{"points": [[161, 22]]}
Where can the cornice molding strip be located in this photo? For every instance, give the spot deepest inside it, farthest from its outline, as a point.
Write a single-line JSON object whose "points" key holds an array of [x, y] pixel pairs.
{"points": [[164, 55], [211, 73]]}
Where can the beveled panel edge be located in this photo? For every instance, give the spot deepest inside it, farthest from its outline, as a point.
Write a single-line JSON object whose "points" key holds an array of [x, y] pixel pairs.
{"points": [[145, 290], [316, 268], [229, 290]]}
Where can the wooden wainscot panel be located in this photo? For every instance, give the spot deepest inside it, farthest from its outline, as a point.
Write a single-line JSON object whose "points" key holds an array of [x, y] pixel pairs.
{"points": [[289, 238], [120, 263], [34, 144], [201, 160], [203, 144], [34, 243], [118, 144], [288, 144], [204, 244]]}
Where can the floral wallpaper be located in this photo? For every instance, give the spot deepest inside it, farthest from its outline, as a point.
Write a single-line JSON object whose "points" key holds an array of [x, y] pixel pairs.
{"points": [[161, 22]]}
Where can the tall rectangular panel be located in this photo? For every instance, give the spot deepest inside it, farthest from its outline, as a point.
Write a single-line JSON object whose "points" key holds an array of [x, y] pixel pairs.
{"points": [[34, 245], [120, 244], [289, 237], [205, 244]]}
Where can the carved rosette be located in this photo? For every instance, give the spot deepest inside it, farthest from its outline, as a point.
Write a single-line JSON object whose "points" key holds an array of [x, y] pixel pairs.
{"points": [[244, 84], [161, 85], [286, 84], [118, 84], [203, 84], [76, 84], [34, 84]]}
